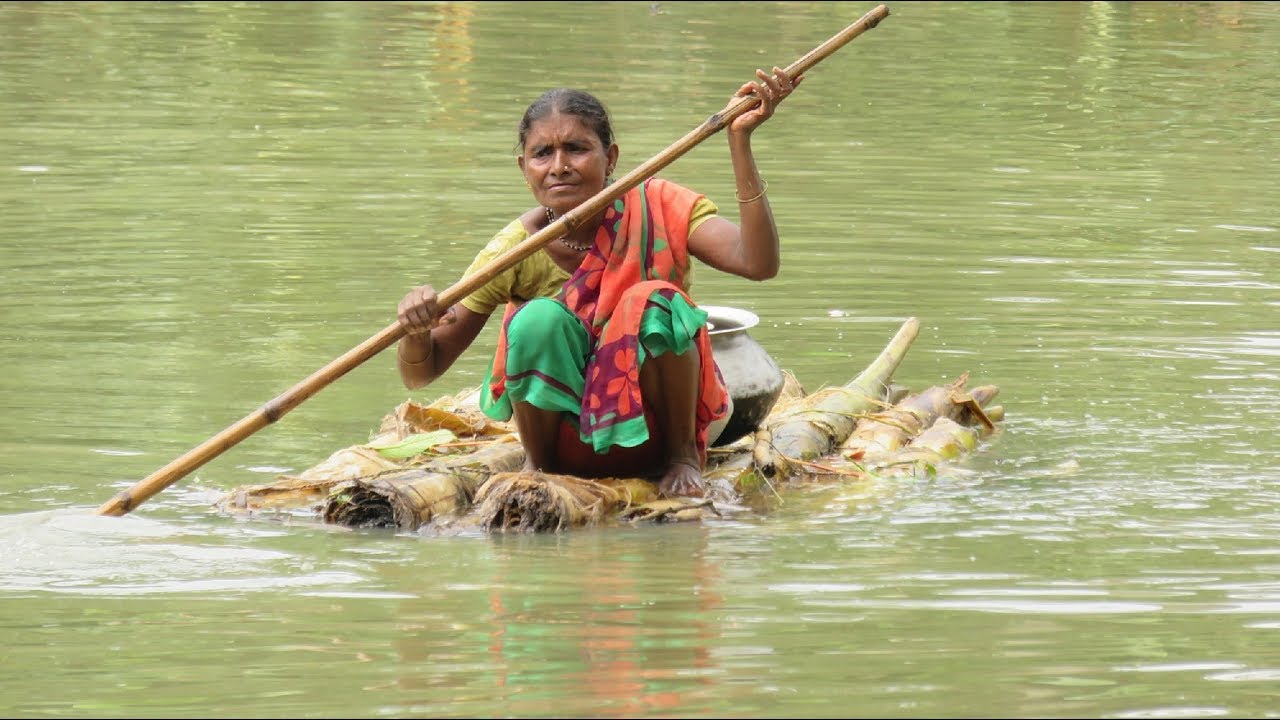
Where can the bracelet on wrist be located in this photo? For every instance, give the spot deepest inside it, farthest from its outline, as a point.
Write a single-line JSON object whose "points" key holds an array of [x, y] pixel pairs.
{"points": [[754, 198]]}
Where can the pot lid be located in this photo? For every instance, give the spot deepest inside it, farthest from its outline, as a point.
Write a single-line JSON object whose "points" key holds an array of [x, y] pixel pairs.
{"points": [[721, 319]]}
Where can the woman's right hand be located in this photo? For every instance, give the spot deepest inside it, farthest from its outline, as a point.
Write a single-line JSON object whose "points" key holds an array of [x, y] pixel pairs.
{"points": [[771, 90], [419, 311]]}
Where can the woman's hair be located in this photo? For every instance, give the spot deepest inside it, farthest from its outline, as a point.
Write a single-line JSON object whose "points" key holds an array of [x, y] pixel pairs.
{"points": [[578, 103]]}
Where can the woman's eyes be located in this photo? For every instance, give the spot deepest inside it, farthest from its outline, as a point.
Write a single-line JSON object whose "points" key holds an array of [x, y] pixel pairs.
{"points": [[572, 149]]}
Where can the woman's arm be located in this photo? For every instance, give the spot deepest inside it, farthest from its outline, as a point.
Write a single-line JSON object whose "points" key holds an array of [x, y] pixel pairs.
{"points": [[751, 248], [427, 350]]}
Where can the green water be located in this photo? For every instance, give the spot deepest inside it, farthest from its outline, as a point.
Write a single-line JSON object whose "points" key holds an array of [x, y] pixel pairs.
{"points": [[205, 202]]}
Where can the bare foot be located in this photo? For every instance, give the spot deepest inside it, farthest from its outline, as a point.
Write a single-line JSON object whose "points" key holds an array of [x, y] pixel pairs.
{"points": [[683, 478]]}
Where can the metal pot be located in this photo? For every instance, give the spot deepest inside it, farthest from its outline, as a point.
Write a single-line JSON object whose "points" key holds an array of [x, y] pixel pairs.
{"points": [[753, 378]]}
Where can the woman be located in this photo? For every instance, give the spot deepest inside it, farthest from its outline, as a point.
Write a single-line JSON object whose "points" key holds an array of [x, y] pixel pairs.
{"points": [[603, 359]]}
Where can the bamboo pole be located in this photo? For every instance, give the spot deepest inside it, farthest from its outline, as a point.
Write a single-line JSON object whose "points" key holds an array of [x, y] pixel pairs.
{"points": [[128, 499]]}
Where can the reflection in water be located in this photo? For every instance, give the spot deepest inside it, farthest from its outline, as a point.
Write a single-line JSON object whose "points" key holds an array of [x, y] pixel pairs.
{"points": [[633, 659], [626, 634]]}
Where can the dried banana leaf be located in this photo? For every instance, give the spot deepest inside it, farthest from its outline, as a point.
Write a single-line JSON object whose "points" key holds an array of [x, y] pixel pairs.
{"points": [[481, 447], [672, 510], [407, 499], [527, 501], [460, 418], [307, 490], [401, 498]]}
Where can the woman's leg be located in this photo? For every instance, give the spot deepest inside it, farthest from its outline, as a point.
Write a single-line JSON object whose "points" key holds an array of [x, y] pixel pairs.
{"points": [[547, 350], [546, 357], [670, 385], [539, 431]]}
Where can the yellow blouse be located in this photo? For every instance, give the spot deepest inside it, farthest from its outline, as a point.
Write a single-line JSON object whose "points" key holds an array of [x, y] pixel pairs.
{"points": [[538, 275]]}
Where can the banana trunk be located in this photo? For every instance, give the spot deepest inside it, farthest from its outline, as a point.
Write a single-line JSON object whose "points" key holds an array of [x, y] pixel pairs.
{"points": [[824, 419], [881, 434]]}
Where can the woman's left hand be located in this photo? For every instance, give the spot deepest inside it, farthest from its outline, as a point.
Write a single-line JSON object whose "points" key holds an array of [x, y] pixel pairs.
{"points": [[771, 90]]}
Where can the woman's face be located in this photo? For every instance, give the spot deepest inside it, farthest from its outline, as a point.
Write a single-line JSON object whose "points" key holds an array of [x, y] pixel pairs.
{"points": [[564, 162]]}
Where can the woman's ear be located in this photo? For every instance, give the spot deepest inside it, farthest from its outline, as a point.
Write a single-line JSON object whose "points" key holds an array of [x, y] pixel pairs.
{"points": [[613, 154]]}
